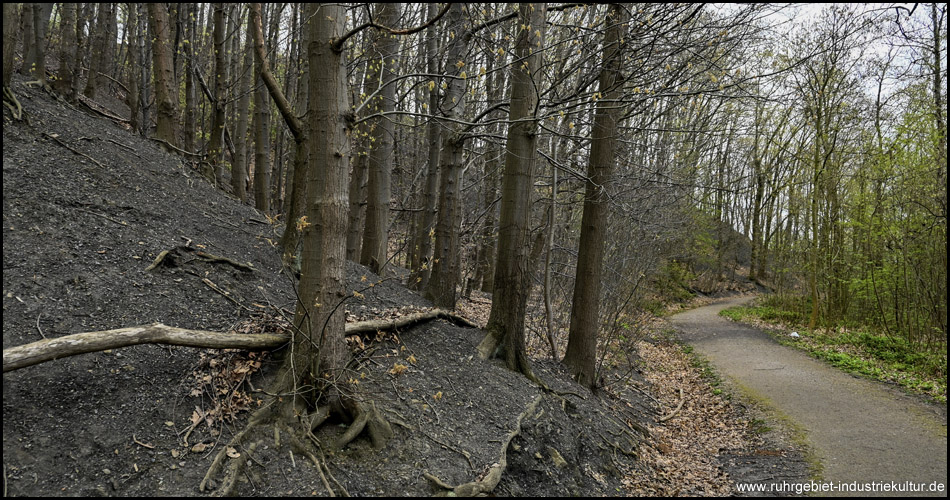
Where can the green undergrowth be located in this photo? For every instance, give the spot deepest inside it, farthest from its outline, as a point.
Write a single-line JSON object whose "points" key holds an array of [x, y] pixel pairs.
{"points": [[873, 355]]}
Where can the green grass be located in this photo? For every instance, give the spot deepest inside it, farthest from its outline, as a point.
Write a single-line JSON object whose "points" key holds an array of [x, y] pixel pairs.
{"points": [[861, 352]]}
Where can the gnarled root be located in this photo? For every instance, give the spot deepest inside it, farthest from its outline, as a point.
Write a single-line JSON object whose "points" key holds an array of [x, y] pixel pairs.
{"points": [[298, 431], [492, 477], [11, 102], [371, 420], [260, 417]]}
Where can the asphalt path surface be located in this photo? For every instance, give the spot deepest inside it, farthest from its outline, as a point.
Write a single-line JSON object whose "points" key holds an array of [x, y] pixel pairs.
{"points": [[865, 434]]}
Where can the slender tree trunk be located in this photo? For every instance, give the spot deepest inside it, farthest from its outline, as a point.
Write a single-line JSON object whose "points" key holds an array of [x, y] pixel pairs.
{"points": [[441, 289], [758, 178], [101, 57], [294, 223], [581, 353], [379, 185], [274, 134], [261, 143], [512, 280], [67, 52], [425, 231], [190, 131], [239, 169], [9, 41], [486, 263], [220, 75], [358, 180], [940, 110], [166, 88], [41, 14], [135, 61], [360, 158], [29, 49]]}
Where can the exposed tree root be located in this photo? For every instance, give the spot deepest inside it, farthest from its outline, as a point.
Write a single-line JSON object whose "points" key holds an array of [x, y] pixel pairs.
{"points": [[70, 345], [371, 420], [12, 103], [494, 345], [169, 258], [492, 477], [299, 435], [287, 414]]}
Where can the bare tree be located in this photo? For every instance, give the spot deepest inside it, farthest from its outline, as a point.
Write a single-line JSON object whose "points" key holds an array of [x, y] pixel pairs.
{"points": [[581, 352], [379, 186], [511, 282]]}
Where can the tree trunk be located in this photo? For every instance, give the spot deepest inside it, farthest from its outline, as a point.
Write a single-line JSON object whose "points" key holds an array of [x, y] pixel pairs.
{"points": [[166, 88], [9, 41], [360, 159], [294, 224], [239, 169], [512, 280], [379, 185], [217, 121], [34, 353], [940, 109], [67, 52], [581, 353], [101, 57], [441, 289], [357, 215], [190, 131], [261, 144], [486, 264], [319, 345], [41, 14], [135, 61], [419, 279]]}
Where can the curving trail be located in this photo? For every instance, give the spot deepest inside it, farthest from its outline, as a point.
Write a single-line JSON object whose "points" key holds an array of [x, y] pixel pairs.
{"points": [[861, 431]]}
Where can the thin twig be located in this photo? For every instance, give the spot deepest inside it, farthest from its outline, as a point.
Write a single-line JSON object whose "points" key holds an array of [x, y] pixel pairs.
{"points": [[63, 144], [680, 405], [106, 217], [38, 324]]}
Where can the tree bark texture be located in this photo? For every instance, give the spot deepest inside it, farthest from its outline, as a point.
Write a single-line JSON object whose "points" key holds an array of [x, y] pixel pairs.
{"points": [[67, 53], [512, 280], [220, 77], [9, 40], [379, 186], [581, 353], [100, 51], [419, 279], [319, 349], [441, 289], [166, 89], [239, 169]]}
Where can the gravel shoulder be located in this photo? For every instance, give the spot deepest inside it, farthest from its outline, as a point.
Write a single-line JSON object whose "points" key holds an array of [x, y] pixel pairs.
{"points": [[860, 431]]}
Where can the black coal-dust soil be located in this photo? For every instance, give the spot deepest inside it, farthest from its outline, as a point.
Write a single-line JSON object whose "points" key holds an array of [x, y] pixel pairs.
{"points": [[87, 207]]}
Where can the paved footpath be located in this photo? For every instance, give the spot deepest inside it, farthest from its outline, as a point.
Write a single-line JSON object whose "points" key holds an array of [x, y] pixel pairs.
{"points": [[861, 431]]}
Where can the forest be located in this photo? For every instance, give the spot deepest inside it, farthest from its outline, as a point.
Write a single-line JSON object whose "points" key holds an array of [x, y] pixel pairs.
{"points": [[576, 167]]}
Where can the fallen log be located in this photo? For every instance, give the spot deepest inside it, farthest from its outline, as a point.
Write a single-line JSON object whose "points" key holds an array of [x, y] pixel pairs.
{"points": [[41, 351]]}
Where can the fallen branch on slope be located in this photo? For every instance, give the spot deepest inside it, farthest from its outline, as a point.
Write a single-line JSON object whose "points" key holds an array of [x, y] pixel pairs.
{"points": [[41, 351], [680, 405]]}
